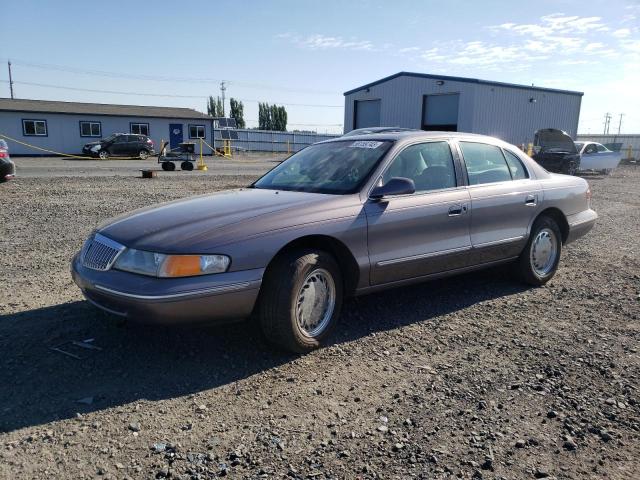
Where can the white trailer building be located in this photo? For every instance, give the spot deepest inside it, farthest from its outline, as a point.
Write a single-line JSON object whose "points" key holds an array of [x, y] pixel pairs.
{"points": [[437, 102]]}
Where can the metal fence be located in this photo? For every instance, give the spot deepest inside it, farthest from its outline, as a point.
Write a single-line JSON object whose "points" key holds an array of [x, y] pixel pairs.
{"points": [[628, 145], [271, 141]]}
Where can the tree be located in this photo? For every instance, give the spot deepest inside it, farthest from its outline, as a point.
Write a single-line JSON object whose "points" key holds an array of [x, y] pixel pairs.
{"points": [[237, 112], [214, 107], [272, 117]]}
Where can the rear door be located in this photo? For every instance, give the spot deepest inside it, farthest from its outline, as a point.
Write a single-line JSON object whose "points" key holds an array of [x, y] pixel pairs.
{"points": [[424, 233], [504, 199]]}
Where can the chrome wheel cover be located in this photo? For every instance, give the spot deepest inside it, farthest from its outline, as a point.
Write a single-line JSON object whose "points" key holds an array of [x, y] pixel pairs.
{"points": [[143, 154], [544, 251], [315, 302]]}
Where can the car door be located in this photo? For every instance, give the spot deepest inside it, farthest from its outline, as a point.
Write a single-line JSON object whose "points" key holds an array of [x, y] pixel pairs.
{"points": [[504, 199], [422, 233], [598, 157], [119, 145]]}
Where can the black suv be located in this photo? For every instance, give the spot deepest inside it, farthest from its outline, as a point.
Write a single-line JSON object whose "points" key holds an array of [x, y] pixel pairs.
{"points": [[555, 151], [122, 145]]}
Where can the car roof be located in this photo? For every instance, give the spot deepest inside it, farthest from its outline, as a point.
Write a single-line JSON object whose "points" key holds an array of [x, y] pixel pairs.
{"points": [[417, 135]]}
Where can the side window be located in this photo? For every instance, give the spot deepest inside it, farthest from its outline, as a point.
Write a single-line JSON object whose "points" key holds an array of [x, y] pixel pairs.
{"points": [[601, 148], [429, 165], [591, 148], [120, 139], [518, 172], [485, 163]]}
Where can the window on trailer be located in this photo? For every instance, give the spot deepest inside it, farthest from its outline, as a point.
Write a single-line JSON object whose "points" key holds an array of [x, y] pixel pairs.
{"points": [[90, 129], [196, 131], [34, 128], [140, 128]]}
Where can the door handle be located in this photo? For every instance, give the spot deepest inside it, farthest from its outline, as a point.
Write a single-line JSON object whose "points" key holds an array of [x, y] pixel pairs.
{"points": [[456, 210], [530, 201]]}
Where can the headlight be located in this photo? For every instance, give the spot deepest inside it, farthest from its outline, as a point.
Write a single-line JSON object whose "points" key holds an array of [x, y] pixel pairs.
{"points": [[95, 148], [170, 266]]}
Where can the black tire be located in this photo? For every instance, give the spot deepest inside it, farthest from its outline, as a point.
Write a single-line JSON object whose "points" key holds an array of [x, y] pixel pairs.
{"points": [[525, 267], [168, 166], [188, 166], [103, 154], [280, 294], [570, 168], [143, 154]]}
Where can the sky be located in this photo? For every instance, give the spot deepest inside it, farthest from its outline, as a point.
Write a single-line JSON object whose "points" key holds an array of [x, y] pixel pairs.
{"points": [[306, 54]]}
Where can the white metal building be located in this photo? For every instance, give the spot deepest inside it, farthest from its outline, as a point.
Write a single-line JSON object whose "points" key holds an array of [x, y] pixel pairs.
{"points": [[436, 102]]}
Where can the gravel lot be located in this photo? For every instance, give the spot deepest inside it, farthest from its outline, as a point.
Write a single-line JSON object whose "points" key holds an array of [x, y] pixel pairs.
{"points": [[472, 377]]}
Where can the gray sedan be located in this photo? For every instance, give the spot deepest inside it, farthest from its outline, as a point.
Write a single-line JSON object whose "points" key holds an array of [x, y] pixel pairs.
{"points": [[344, 217]]}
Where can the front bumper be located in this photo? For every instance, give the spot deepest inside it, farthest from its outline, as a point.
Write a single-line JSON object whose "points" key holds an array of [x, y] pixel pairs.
{"points": [[204, 299], [580, 224]]}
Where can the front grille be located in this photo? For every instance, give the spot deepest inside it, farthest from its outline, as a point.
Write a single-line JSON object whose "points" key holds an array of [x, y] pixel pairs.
{"points": [[100, 253]]}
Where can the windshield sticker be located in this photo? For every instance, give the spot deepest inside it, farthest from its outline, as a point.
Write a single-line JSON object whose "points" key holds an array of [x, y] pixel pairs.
{"points": [[365, 144]]}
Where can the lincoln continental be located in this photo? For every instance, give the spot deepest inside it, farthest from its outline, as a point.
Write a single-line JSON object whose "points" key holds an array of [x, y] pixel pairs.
{"points": [[348, 216]]}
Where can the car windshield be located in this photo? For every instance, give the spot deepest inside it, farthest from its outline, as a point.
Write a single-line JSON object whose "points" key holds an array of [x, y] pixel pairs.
{"points": [[579, 145], [110, 137], [336, 167]]}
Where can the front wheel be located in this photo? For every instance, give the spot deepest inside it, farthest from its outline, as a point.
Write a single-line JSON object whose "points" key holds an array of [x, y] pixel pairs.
{"points": [[168, 166], [539, 260], [570, 168], [300, 300], [103, 154], [143, 154], [188, 166]]}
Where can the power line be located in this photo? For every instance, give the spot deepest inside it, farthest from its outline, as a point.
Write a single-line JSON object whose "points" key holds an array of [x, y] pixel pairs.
{"points": [[166, 95], [160, 78]]}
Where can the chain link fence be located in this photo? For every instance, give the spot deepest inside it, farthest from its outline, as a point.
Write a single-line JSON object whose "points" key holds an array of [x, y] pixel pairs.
{"points": [[268, 141]]}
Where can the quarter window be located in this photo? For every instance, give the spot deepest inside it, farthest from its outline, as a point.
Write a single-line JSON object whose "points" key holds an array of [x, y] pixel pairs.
{"points": [[429, 165], [196, 131], [140, 128], [37, 128], [90, 129], [516, 167], [485, 163]]}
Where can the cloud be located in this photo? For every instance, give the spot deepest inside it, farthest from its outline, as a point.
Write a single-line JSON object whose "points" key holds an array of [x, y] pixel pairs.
{"points": [[326, 42], [621, 33]]}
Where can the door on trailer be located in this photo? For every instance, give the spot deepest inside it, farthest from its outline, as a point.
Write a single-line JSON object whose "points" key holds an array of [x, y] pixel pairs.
{"points": [[175, 135]]}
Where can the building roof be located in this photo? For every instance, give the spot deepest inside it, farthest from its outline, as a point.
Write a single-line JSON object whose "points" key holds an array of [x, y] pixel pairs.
{"points": [[47, 106], [461, 79]]}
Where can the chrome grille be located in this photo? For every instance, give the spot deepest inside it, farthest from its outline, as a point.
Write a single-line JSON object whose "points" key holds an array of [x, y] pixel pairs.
{"points": [[100, 252]]}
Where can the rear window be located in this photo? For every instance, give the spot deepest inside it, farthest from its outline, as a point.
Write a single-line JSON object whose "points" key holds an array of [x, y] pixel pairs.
{"points": [[485, 163], [516, 167]]}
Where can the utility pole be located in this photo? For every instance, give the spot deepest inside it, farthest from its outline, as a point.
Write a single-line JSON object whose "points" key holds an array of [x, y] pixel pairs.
{"points": [[10, 79], [607, 122], [620, 123], [223, 89]]}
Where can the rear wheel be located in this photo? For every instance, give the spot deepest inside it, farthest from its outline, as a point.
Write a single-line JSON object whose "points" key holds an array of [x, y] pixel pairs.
{"points": [[300, 300], [188, 166], [143, 154], [168, 166], [539, 260]]}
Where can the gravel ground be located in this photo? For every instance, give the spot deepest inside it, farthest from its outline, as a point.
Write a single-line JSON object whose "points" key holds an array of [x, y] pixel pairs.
{"points": [[472, 377]]}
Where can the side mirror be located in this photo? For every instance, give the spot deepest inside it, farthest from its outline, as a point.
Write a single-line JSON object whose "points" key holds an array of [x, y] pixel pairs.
{"points": [[395, 186]]}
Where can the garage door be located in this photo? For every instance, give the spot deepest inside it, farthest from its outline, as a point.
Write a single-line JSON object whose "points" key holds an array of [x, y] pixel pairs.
{"points": [[440, 112], [367, 113]]}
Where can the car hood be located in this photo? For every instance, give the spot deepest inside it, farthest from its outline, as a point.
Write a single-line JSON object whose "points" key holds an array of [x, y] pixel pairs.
{"points": [[551, 139], [92, 144], [198, 224]]}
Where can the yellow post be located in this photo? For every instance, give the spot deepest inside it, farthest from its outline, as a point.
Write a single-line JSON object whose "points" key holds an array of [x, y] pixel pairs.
{"points": [[530, 149], [227, 148], [201, 165]]}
